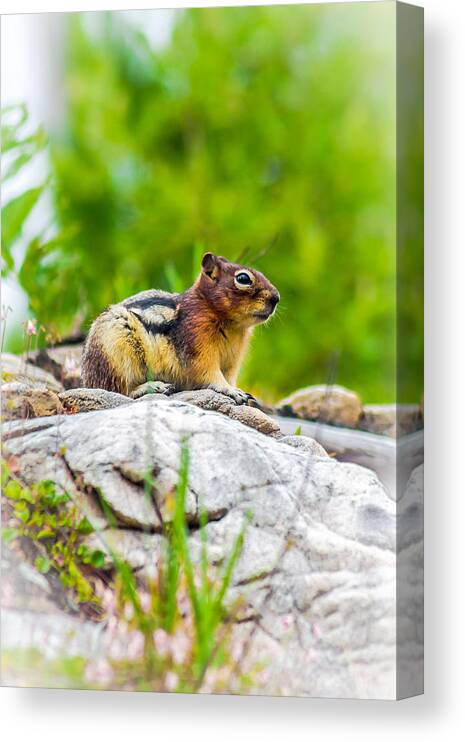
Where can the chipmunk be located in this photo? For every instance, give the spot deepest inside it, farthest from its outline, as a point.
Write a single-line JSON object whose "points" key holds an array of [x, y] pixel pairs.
{"points": [[162, 342]]}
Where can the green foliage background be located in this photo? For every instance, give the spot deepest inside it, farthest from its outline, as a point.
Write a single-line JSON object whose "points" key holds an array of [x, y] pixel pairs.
{"points": [[252, 126]]}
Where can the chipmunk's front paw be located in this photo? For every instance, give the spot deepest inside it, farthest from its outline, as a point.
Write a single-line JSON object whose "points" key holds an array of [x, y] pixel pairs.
{"points": [[237, 395], [152, 387]]}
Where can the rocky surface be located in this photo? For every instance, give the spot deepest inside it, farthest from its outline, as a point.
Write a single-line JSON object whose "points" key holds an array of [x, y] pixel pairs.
{"points": [[250, 415], [305, 444], [334, 404], [318, 566], [91, 400], [318, 569], [31, 616], [409, 596], [30, 390], [391, 419], [17, 369], [21, 402], [63, 362], [58, 369]]}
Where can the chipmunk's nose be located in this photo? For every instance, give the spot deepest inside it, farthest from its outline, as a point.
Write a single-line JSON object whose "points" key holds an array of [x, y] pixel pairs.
{"points": [[274, 298]]}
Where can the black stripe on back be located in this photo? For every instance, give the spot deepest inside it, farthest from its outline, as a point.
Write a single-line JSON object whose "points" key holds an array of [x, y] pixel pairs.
{"points": [[152, 301], [157, 328]]}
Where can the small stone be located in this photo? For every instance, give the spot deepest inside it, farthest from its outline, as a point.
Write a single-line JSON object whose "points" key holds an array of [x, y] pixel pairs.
{"points": [[206, 399], [21, 402], [332, 404], [391, 419], [255, 418], [303, 443], [90, 400]]}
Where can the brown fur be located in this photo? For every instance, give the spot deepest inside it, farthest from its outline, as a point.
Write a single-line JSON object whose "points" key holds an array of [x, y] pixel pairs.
{"points": [[191, 340]]}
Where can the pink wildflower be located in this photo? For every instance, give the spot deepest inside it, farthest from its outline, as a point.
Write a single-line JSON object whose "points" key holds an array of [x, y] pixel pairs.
{"points": [[4, 313], [31, 328], [99, 672], [116, 651], [128, 611], [288, 621], [70, 365], [180, 646], [145, 601], [171, 681], [210, 680], [236, 651], [136, 646], [183, 604], [161, 641], [108, 600]]}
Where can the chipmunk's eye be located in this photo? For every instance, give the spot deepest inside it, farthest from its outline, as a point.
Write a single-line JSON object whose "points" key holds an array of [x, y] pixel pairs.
{"points": [[243, 279]]}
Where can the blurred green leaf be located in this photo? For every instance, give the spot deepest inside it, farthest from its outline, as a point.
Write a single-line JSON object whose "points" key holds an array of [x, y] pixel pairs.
{"points": [[98, 559], [8, 534], [16, 165], [43, 564], [14, 214]]}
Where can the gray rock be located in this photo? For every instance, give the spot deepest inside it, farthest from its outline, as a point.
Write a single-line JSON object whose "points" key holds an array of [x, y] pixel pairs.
{"points": [[410, 592], [318, 566], [140, 550], [15, 368], [33, 615], [53, 633], [391, 419], [331, 404], [22, 586]]}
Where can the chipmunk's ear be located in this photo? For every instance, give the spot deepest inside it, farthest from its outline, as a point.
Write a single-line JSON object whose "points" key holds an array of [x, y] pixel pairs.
{"points": [[210, 265]]}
